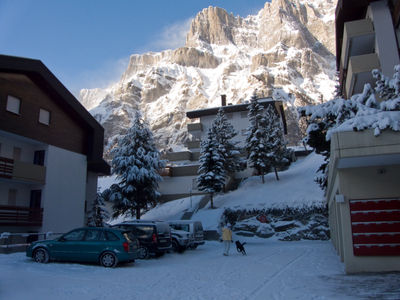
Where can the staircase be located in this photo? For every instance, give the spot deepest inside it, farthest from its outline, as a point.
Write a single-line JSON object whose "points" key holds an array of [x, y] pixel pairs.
{"points": [[203, 202]]}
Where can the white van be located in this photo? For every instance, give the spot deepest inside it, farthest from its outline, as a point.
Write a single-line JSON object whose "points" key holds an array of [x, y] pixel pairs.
{"points": [[195, 228]]}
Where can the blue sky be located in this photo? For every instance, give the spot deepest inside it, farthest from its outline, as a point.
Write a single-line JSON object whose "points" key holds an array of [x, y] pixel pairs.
{"points": [[87, 43]]}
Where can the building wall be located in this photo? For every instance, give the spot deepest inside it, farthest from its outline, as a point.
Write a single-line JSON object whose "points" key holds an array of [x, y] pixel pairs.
{"points": [[369, 180], [362, 183], [385, 37], [63, 197], [22, 194], [28, 147], [63, 131], [239, 121], [178, 185]]}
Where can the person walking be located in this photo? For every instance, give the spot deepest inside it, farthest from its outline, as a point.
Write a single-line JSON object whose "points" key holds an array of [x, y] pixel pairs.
{"points": [[227, 238]]}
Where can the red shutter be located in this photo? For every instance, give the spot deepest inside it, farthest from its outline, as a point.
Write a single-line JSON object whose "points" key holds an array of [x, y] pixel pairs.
{"points": [[375, 226]]}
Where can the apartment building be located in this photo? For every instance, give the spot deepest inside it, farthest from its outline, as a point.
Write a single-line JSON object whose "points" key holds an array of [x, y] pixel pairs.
{"points": [[363, 193], [51, 151], [179, 177], [367, 38]]}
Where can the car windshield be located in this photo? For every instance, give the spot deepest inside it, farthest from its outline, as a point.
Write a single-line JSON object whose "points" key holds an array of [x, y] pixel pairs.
{"points": [[76, 235], [183, 227], [144, 231]]}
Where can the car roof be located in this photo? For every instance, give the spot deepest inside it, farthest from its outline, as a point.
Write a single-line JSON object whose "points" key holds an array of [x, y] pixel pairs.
{"points": [[98, 228], [136, 223], [183, 222]]}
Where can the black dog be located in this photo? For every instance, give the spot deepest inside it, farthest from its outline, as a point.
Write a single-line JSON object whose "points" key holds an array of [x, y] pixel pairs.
{"points": [[240, 247]]}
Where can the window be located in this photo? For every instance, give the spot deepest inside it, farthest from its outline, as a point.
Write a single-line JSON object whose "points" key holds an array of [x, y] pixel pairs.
{"points": [[17, 153], [13, 104], [12, 197], [76, 235], [44, 116], [36, 198], [92, 235], [38, 158], [111, 236]]}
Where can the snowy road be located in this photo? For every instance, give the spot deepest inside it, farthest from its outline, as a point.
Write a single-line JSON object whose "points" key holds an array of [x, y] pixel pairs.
{"points": [[272, 270]]}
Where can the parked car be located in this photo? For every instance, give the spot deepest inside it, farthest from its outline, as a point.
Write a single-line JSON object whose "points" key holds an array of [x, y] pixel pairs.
{"points": [[154, 236], [181, 240], [194, 228], [106, 246]]}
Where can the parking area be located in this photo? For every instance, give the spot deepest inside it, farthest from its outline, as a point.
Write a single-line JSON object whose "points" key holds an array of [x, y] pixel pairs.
{"points": [[271, 270]]}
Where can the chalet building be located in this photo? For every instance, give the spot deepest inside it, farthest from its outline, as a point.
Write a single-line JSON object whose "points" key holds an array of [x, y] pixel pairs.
{"points": [[51, 151], [363, 191], [179, 177]]}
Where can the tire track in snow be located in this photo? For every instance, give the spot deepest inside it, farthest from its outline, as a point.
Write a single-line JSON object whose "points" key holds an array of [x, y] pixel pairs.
{"points": [[275, 275]]}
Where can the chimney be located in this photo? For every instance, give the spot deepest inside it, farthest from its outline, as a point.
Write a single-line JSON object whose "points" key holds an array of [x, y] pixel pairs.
{"points": [[223, 100]]}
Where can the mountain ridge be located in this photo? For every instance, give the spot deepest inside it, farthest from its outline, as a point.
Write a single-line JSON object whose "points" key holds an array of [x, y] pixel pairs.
{"points": [[287, 45]]}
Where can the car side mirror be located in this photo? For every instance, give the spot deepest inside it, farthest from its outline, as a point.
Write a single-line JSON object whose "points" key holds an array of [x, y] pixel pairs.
{"points": [[62, 239]]}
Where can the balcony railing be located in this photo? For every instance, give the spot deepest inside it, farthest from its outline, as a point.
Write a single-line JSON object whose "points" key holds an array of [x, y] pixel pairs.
{"points": [[22, 171], [6, 167], [20, 216]]}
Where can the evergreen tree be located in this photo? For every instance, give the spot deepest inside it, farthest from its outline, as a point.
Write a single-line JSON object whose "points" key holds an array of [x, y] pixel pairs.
{"points": [[136, 162], [388, 89], [324, 118], [98, 214], [224, 133], [257, 154], [275, 143], [212, 174]]}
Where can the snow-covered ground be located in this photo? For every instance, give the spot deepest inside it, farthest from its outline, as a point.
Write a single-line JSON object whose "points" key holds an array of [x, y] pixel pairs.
{"points": [[296, 188], [271, 270]]}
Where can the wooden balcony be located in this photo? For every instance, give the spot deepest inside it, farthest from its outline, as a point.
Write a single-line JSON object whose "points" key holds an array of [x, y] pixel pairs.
{"points": [[22, 171], [6, 167], [20, 216]]}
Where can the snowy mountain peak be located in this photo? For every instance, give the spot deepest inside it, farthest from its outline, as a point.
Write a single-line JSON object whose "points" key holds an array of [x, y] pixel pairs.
{"points": [[287, 45], [213, 25]]}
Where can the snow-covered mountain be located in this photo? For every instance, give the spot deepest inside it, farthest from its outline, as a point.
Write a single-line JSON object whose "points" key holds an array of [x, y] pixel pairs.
{"points": [[287, 45]]}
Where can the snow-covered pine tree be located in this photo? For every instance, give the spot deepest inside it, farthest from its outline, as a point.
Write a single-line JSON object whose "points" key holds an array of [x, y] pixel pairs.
{"points": [[275, 143], [257, 155], [98, 214], [136, 162], [211, 172], [224, 133], [388, 89]]}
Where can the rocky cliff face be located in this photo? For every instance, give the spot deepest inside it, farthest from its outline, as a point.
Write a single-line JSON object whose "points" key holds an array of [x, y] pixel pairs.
{"points": [[288, 45]]}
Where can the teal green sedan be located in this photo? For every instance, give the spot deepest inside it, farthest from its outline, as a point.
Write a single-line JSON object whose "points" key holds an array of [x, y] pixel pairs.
{"points": [[106, 246]]}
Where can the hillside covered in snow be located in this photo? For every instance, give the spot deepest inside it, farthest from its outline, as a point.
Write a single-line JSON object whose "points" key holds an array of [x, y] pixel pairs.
{"points": [[294, 204]]}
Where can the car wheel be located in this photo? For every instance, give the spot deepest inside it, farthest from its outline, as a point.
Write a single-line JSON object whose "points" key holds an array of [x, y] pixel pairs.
{"points": [[143, 253], [41, 255], [175, 246], [108, 260]]}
